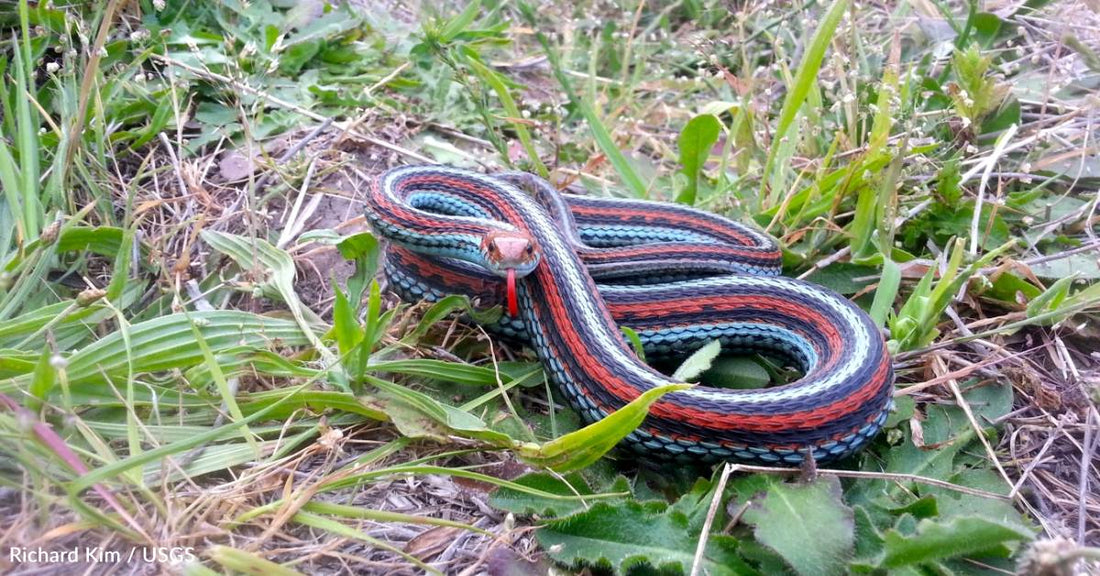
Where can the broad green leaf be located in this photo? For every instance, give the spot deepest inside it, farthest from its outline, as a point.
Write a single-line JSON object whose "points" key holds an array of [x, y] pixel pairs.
{"points": [[228, 395], [358, 512], [581, 448], [633, 535], [222, 457], [45, 379], [1080, 265], [1008, 287], [456, 372], [844, 277], [345, 325], [807, 524], [696, 140], [1051, 298], [695, 503], [869, 541], [120, 468], [736, 372], [888, 285], [939, 540], [362, 248]]}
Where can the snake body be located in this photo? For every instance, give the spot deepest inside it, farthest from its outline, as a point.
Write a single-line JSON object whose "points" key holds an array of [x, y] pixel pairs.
{"points": [[679, 277]]}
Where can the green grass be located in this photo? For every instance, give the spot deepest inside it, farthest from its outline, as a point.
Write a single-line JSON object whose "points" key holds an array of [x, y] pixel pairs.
{"points": [[181, 368]]}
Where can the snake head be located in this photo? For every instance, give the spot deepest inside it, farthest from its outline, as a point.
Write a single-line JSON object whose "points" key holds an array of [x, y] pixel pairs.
{"points": [[510, 251]]}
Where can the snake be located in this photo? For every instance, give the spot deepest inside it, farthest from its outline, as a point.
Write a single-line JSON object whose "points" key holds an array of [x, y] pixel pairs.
{"points": [[570, 271]]}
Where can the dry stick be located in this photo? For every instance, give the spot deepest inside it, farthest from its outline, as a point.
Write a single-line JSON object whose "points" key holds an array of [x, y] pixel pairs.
{"points": [[297, 147], [998, 330], [77, 128], [960, 373], [1051, 257], [826, 261], [1036, 460], [697, 562], [295, 220], [998, 151], [961, 401], [290, 106], [979, 346], [1087, 449], [175, 163]]}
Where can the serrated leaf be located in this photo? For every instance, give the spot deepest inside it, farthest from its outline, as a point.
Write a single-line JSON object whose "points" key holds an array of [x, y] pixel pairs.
{"points": [[695, 503], [632, 535], [807, 524], [869, 542], [960, 537], [904, 408]]}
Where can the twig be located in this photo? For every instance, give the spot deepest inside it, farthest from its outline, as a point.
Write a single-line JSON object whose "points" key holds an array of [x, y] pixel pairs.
{"points": [[177, 168], [998, 151], [296, 220], [697, 562], [961, 401], [960, 373], [1088, 447], [826, 261], [1050, 257], [1036, 460], [297, 147]]}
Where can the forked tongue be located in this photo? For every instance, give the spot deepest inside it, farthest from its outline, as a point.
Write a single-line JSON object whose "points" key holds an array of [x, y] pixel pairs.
{"points": [[513, 305]]}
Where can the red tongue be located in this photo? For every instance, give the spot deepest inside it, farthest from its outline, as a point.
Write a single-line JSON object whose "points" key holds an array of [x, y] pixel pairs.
{"points": [[513, 305]]}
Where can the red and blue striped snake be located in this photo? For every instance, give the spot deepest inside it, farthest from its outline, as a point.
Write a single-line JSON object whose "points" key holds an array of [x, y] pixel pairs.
{"points": [[571, 269]]}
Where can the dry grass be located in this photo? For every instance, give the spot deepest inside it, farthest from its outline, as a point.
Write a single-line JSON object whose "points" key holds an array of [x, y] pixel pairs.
{"points": [[1046, 451]]}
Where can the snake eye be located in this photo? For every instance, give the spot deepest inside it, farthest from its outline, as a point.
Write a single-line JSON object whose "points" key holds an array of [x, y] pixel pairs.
{"points": [[530, 250]]}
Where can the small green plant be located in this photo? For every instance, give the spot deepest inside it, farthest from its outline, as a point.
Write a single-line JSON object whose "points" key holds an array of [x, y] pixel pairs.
{"points": [[976, 94]]}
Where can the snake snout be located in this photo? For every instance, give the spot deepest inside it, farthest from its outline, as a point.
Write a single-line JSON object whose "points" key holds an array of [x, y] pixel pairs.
{"points": [[506, 251]]}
